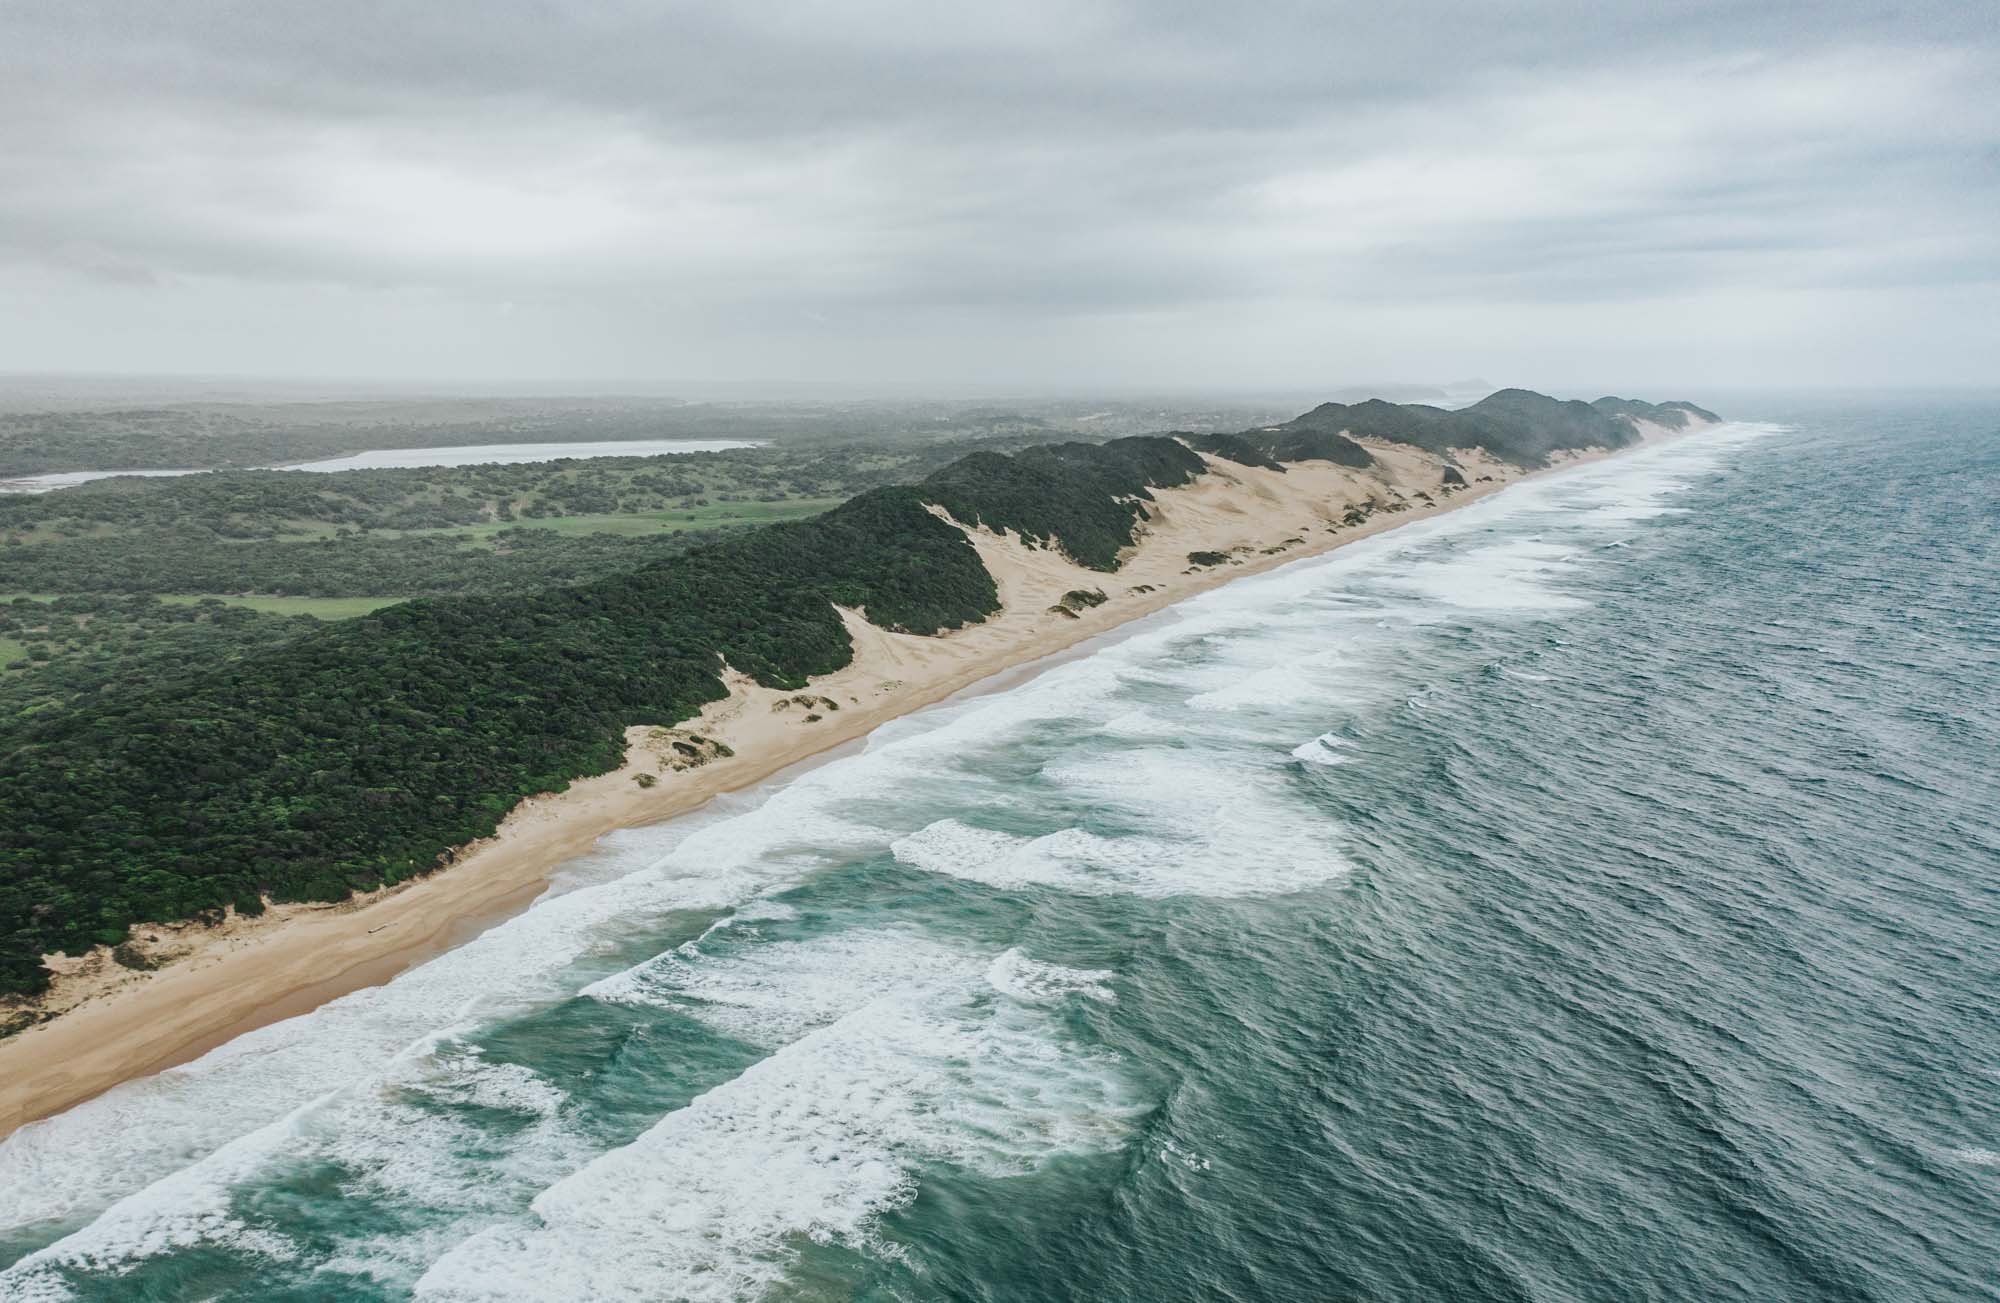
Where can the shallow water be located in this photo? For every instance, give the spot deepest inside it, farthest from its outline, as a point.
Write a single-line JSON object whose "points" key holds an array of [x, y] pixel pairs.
{"points": [[481, 454], [508, 454], [1585, 895], [65, 479]]}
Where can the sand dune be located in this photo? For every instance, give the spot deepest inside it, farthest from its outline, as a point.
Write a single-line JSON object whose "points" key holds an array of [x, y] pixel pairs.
{"points": [[114, 1023]]}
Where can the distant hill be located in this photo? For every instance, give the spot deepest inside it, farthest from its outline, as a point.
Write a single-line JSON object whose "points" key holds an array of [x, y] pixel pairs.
{"points": [[1674, 416], [1516, 425]]}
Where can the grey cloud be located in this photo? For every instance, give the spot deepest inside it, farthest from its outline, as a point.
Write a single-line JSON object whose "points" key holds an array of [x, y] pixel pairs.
{"points": [[1045, 188]]}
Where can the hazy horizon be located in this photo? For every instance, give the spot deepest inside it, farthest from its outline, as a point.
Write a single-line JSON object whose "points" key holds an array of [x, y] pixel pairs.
{"points": [[880, 199], [29, 391]]}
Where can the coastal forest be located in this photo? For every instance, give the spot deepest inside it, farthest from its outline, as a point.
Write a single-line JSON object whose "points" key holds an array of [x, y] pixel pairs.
{"points": [[179, 741]]}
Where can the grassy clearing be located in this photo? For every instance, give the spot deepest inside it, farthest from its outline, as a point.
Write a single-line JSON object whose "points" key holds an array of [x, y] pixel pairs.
{"points": [[714, 516], [12, 651], [320, 608]]}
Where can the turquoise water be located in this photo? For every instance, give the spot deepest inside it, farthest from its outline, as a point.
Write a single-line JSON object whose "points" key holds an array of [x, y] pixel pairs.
{"points": [[1587, 895]]}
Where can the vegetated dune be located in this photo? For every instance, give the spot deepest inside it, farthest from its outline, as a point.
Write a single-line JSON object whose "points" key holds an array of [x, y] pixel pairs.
{"points": [[277, 793]]}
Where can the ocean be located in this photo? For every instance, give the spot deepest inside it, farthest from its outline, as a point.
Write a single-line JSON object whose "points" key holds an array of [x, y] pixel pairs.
{"points": [[1589, 894]]}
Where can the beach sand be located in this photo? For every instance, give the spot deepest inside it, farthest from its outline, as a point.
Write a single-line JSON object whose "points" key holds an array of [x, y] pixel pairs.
{"points": [[115, 1023]]}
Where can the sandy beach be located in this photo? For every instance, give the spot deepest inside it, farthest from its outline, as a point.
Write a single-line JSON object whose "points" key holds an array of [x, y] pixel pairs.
{"points": [[113, 1023]]}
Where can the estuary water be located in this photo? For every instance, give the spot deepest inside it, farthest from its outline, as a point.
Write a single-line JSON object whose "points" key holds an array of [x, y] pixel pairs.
{"points": [[471, 454], [510, 454], [1588, 894]]}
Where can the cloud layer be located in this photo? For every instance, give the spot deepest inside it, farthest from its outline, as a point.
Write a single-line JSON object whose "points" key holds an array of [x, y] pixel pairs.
{"points": [[1080, 194]]}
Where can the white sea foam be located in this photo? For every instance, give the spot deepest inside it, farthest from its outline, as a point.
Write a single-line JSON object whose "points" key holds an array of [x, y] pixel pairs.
{"points": [[156, 1161], [1241, 857], [189, 1207], [1014, 974], [179, 1138], [39, 1286], [1629, 492], [1141, 724], [1618, 513], [507, 1087], [409, 1153], [1325, 749], [1511, 576], [215, 1121], [996, 859], [775, 992], [1280, 685], [432, 1145], [422, 1140], [817, 1140]]}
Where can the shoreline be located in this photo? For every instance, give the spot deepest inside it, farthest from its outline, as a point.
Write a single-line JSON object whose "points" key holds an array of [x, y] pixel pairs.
{"points": [[248, 973]]}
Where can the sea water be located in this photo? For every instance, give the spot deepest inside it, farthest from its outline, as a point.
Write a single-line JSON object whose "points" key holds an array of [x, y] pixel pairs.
{"points": [[1587, 894]]}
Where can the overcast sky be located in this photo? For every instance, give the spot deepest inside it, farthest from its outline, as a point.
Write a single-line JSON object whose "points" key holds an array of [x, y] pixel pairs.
{"points": [[1055, 194]]}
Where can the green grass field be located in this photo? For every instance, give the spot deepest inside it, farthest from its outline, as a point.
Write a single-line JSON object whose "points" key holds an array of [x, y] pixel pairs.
{"points": [[320, 608], [631, 525], [714, 516]]}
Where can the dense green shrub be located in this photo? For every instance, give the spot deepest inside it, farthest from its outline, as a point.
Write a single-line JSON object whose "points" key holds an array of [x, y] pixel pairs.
{"points": [[1243, 449], [357, 753], [1081, 497], [1515, 425]]}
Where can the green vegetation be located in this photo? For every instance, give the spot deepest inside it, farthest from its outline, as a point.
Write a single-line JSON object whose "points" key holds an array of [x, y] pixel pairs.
{"points": [[1514, 425], [319, 608], [514, 560], [643, 524], [1084, 497], [336, 546], [1243, 449], [357, 753], [1280, 444], [1078, 600], [204, 435], [161, 759], [195, 435], [72, 649], [201, 436], [261, 504], [430, 531], [1674, 416]]}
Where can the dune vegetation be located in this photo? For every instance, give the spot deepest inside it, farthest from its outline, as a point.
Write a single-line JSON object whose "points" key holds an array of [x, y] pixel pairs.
{"points": [[348, 755]]}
